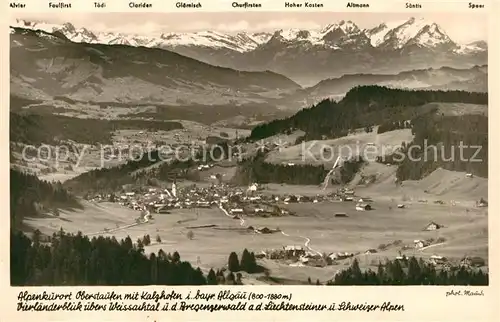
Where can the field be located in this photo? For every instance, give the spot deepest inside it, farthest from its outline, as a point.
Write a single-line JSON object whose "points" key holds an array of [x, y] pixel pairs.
{"points": [[367, 145], [215, 235]]}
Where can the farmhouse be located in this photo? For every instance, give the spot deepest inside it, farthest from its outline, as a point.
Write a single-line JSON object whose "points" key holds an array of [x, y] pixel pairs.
{"points": [[363, 207], [340, 256], [469, 175], [482, 203], [265, 230], [437, 260], [401, 206], [294, 251], [420, 243], [473, 261], [366, 199], [433, 226]]}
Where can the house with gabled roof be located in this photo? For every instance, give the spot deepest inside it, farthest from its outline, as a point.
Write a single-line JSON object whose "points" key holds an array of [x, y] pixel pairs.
{"points": [[433, 226]]}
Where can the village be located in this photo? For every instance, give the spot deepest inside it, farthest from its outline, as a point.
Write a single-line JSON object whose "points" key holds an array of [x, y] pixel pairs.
{"points": [[243, 203]]}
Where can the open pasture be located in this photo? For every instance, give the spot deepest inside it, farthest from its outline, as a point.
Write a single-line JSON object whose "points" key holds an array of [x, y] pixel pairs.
{"points": [[215, 235]]}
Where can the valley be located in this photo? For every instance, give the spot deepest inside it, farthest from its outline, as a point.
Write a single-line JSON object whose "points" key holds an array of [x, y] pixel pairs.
{"points": [[162, 145]]}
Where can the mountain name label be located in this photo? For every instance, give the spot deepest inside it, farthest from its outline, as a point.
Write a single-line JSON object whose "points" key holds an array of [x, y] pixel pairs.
{"points": [[17, 5], [475, 6], [409, 5], [357, 5], [245, 5], [59, 5], [303, 5], [188, 5], [140, 5]]}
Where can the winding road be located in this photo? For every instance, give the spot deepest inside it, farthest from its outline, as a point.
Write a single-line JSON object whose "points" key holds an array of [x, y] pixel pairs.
{"points": [[433, 245], [242, 221], [145, 220]]}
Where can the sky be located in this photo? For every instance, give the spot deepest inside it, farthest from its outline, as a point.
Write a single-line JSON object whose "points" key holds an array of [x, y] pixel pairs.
{"points": [[460, 26]]}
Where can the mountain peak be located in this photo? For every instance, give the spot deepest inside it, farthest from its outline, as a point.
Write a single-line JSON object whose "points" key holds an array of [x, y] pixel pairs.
{"points": [[345, 35], [69, 27], [414, 31], [347, 27]]}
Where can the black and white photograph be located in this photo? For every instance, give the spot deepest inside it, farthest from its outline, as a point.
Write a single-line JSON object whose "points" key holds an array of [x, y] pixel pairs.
{"points": [[248, 148]]}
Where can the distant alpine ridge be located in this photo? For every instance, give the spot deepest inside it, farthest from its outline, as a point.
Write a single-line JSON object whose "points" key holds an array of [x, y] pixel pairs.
{"points": [[307, 56]]}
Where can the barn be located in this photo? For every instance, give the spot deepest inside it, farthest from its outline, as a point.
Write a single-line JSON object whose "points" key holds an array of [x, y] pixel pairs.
{"points": [[433, 226], [363, 207]]}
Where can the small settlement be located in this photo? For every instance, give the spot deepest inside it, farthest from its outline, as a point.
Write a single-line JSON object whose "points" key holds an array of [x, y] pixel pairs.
{"points": [[238, 202]]}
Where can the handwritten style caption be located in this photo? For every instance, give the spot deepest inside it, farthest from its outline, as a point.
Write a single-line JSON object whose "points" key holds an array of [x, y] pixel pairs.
{"points": [[169, 300]]}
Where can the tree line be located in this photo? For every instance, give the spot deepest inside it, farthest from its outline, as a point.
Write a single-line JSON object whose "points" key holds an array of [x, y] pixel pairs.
{"points": [[440, 138], [75, 259], [256, 169], [111, 179], [30, 196], [67, 259], [363, 106], [409, 271], [392, 126]]}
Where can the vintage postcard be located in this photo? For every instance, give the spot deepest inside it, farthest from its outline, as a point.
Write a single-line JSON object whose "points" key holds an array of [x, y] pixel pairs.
{"points": [[290, 160]]}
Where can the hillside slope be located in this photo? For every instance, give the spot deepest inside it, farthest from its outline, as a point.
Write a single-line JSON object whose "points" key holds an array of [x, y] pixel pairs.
{"points": [[362, 106], [45, 66]]}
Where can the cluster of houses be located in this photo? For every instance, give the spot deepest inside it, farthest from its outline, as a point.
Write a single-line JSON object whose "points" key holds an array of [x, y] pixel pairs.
{"points": [[445, 264], [348, 195], [297, 255], [236, 200]]}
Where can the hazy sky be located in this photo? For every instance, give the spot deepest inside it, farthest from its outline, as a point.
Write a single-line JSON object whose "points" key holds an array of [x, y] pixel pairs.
{"points": [[461, 27]]}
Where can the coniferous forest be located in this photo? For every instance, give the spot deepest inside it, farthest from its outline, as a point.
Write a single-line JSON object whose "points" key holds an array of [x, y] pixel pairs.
{"points": [[30, 196], [67, 259], [78, 260], [361, 107], [409, 271], [440, 138]]}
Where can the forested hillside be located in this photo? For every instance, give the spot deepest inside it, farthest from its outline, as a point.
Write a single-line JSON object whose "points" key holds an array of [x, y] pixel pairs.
{"points": [[256, 169], [30, 196], [77, 260], [361, 107], [112, 178], [458, 143]]}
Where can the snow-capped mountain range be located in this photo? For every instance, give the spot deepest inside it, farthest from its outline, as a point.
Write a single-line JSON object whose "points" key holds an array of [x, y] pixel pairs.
{"points": [[395, 35], [306, 56]]}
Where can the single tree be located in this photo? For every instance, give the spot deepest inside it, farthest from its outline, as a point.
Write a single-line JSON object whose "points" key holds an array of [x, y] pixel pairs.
{"points": [[246, 259], [176, 258], [233, 262], [211, 278]]}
